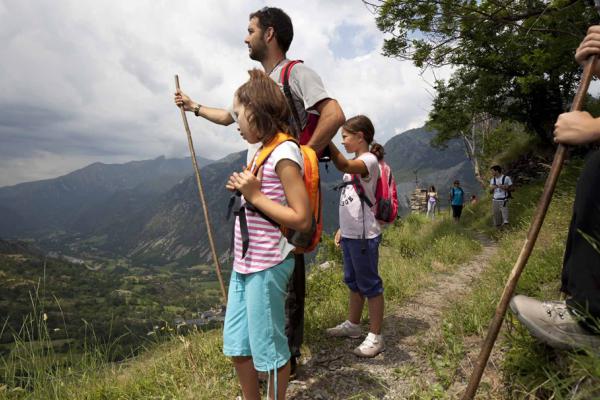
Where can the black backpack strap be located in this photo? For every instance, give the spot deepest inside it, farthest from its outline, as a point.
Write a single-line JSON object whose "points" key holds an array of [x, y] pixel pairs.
{"points": [[360, 190], [287, 90], [235, 206]]}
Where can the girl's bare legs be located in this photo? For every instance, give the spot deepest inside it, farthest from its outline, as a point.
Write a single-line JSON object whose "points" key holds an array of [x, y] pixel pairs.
{"points": [[357, 302], [375, 314], [283, 376], [244, 367]]}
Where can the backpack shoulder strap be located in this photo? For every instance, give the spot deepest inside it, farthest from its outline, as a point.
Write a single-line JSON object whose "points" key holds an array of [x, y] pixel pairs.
{"points": [[267, 149], [360, 190], [286, 71]]}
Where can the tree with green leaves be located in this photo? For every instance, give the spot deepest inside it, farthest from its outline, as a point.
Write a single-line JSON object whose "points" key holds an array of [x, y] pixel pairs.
{"points": [[513, 60]]}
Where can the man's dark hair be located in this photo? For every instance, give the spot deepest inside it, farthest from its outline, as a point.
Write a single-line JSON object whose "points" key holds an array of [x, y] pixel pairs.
{"points": [[497, 168], [279, 21]]}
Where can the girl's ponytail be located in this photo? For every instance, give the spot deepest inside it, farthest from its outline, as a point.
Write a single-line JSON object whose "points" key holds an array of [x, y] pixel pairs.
{"points": [[378, 150]]}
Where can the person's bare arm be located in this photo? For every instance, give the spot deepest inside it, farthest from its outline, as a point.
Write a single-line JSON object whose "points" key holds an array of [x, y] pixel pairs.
{"points": [[216, 115], [330, 119], [345, 165]]}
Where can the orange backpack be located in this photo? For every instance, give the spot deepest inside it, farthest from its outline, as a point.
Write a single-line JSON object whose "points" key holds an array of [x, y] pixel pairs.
{"points": [[305, 242]]}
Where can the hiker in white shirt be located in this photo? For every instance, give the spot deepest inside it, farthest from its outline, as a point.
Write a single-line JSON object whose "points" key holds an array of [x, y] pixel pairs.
{"points": [[500, 187]]}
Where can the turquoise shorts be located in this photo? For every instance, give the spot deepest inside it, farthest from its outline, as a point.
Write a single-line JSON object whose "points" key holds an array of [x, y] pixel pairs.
{"points": [[255, 316]]}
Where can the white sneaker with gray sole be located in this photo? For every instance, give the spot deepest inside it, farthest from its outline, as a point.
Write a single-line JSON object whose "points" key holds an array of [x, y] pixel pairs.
{"points": [[552, 323], [346, 328], [371, 346]]}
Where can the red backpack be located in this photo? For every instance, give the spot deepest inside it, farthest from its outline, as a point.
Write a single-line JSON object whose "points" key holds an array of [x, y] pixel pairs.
{"points": [[386, 194]]}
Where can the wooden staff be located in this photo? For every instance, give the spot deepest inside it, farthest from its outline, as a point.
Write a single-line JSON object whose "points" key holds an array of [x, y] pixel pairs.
{"points": [[201, 193], [532, 235]]}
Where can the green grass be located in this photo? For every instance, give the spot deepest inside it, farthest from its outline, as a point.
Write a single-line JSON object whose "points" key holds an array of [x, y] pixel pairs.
{"points": [[530, 370], [193, 366]]}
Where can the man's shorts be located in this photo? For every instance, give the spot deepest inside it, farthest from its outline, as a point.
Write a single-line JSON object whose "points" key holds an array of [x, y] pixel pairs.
{"points": [[361, 257], [255, 316]]}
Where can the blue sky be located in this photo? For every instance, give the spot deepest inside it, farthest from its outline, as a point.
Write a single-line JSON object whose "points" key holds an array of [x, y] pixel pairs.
{"points": [[88, 81]]}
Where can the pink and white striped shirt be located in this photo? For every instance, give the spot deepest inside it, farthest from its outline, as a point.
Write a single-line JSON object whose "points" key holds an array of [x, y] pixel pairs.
{"points": [[267, 246]]}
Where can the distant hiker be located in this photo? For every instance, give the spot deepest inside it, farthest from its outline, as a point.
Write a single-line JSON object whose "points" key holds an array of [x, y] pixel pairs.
{"points": [[500, 188], [432, 198], [457, 195], [575, 323], [315, 115], [254, 331], [360, 233], [474, 200]]}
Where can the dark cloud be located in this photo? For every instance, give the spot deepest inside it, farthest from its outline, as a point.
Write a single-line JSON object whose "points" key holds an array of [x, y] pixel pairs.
{"points": [[93, 81]]}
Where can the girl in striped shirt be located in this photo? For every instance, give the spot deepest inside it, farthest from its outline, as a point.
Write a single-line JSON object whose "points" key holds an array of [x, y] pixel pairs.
{"points": [[254, 332]]}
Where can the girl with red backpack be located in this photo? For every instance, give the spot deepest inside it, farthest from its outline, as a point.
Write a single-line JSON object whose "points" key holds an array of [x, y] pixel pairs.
{"points": [[272, 197], [360, 232]]}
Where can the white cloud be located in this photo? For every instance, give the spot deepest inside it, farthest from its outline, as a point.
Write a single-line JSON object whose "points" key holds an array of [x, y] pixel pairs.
{"points": [[91, 81]]}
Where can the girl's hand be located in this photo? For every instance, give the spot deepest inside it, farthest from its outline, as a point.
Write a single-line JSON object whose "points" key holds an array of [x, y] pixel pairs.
{"points": [[337, 238], [246, 183]]}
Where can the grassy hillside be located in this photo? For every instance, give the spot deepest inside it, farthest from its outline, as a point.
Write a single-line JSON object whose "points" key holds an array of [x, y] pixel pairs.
{"points": [[192, 366], [413, 252], [529, 369]]}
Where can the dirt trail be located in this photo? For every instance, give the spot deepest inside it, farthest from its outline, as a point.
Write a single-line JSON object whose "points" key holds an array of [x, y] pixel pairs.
{"points": [[335, 373]]}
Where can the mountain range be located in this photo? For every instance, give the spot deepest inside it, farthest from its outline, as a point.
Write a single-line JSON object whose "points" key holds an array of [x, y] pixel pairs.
{"points": [[148, 211]]}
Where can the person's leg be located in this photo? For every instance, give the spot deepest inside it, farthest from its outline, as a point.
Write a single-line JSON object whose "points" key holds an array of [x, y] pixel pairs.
{"points": [[375, 314], [371, 286], [283, 375], [248, 377], [265, 293], [350, 327], [504, 212], [428, 209], [295, 307], [581, 264], [573, 323], [458, 212], [356, 304], [236, 340], [496, 213]]}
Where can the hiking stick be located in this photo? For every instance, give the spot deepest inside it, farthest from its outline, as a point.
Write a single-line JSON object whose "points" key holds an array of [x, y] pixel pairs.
{"points": [[201, 193], [534, 229]]}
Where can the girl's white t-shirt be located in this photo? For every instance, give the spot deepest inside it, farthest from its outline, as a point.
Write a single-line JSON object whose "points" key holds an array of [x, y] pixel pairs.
{"points": [[352, 210]]}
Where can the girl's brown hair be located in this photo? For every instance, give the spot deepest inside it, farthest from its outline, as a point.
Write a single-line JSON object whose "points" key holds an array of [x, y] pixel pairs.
{"points": [[362, 123], [268, 109]]}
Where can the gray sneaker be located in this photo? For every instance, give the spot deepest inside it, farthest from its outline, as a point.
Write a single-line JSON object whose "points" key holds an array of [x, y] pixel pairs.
{"points": [[552, 323], [346, 328], [370, 347]]}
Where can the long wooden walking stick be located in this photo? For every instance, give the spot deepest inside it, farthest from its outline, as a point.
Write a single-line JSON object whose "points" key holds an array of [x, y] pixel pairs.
{"points": [[532, 235], [202, 201]]}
